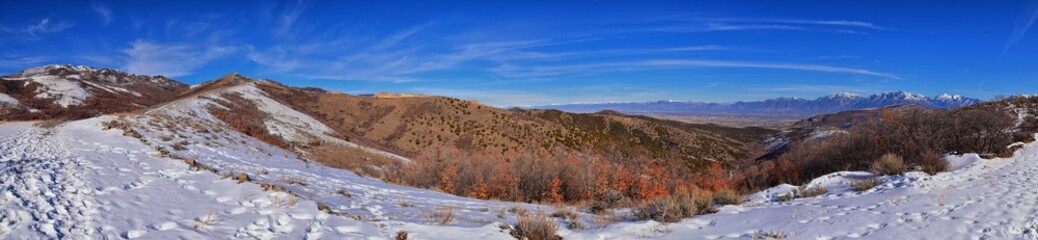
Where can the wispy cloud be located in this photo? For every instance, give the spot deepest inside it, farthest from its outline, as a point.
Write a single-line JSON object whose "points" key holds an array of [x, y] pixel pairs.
{"points": [[598, 68], [171, 60], [103, 9], [287, 19], [844, 23], [1023, 23], [400, 36], [14, 62], [534, 97], [45, 26], [687, 24], [769, 65]]}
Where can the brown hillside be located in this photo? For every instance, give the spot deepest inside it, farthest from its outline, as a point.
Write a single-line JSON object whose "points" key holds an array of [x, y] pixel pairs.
{"points": [[414, 125]]}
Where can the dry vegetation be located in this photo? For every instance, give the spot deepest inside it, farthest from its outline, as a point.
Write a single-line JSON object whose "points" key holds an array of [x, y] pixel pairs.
{"points": [[536, 227], [469, 149], [682, 204], [803, 192], [866, 184], [889, 164], [910, 138]]}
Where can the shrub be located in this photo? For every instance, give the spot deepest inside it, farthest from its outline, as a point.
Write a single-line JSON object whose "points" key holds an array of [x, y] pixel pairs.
{"points": [[932, 162], [727, 197], [536, 227], [803, 192], [862, 185], [294, 180], [609, 199], [242, 178], [442, 215], [518, 211], [889, 164], [761, 235], [401, 235], [682, 204], [566, 214]]}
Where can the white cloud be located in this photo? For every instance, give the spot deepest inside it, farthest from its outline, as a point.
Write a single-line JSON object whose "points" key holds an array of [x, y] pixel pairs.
{"points": [[11, 62], [513, 71], [769, 65], [171, 60], [103, 10], [45, 26], [1023, 23], [741, 24], [287, 19]]}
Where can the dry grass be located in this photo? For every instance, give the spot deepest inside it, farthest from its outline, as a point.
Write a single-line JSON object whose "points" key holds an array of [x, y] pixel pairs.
{"points": [[728, 197], [401, 235], [405, 203], [442, 215], [279, 201], [204, 221], [770, 234], [932, 162], [566, 214], [242, 178], [681, 204], [536, 227], [889, 164], [293, 180], [518, 211], [866, 184], [803, 192]]}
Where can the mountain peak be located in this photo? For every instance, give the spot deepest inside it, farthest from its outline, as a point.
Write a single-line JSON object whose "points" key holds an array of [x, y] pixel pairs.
{"points": [[945, 96], [901, 95], [843, 95]]}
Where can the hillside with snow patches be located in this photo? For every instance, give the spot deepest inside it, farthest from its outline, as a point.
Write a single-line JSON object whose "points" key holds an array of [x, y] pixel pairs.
{"points": [[177, 171], [67, 91], [79, 181]]}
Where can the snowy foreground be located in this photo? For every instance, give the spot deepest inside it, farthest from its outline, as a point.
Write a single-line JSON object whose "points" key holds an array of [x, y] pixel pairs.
{"points": [[77, 181]]}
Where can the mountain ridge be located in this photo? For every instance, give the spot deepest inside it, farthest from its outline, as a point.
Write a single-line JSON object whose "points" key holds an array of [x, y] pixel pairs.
{"points": [[783, 106]]}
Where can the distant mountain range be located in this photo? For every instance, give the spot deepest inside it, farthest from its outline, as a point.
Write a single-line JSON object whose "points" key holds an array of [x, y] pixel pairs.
{"points": [[777, 107]]}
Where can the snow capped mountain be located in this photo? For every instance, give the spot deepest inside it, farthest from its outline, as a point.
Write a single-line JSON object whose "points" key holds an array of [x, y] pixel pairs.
{"points": [[68, 91], [791, 107]]}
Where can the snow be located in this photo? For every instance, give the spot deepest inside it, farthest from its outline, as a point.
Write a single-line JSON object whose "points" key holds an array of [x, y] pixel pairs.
{"points": [[111, 89], [292, 125], [65, 92], [78, 182], [822, 134], [7, 100]]}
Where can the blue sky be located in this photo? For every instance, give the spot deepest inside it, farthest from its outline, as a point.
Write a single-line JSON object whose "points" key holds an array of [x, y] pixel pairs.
{"points": [[531, 53]]}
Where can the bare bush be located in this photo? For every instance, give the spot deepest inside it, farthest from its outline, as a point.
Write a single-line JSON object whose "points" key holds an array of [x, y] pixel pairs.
{"points": [[932, 162], [293, 180], [609, 199], [536, 227], [803, 192], [770, 234], [566, 214], [682, 204], [728, 197], [866, 184], [889, 164], [442, 215]]}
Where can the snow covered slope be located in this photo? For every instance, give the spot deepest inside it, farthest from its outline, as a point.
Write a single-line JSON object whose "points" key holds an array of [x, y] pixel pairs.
{"points": [[978, 199], [77, 182]]}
